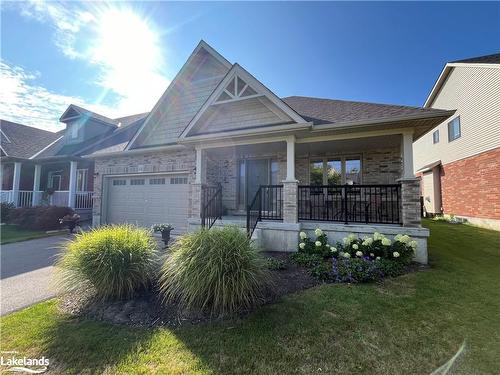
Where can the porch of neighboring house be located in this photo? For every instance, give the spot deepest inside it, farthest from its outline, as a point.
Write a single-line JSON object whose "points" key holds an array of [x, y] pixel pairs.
{"points": [[57, 183], [274, 189]]}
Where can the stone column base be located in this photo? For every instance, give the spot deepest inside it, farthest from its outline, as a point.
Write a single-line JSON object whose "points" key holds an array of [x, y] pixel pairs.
{"points": [[410, 201], [290, 202]]}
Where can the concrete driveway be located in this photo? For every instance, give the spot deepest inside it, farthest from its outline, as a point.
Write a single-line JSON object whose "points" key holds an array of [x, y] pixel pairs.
{"points": [[26, 270]]}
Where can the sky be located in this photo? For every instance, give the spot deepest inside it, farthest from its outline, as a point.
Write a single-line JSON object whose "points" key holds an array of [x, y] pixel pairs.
{"points": [[118, 58]]}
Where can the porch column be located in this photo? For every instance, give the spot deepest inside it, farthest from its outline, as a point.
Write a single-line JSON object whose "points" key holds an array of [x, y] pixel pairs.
{"points": [[407, 155], [72, 184], [290, 185], [36, 185], [410, 201], [15, 183]]}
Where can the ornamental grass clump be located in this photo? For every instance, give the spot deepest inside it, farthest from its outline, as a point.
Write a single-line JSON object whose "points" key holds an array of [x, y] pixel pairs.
{"points": [[217, 270], [116, 261]]}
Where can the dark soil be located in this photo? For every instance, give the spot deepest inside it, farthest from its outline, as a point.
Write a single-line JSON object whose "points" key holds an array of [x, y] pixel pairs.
{"points": [[149, 310]]}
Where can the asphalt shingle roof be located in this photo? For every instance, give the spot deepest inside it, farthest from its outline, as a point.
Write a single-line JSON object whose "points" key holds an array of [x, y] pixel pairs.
{"points": [[323, 111], [487, 59], [25, 141]]}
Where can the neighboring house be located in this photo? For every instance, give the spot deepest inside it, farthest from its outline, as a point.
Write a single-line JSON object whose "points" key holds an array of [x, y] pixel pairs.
{"points": [[460, 159], [220, 143], [41, 167]]}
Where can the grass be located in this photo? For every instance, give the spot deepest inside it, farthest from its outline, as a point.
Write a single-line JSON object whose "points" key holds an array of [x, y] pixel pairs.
{"points": [[411, 324], [12, 233]]}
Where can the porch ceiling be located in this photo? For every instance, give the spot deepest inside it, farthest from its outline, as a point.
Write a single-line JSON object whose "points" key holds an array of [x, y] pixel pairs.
{"points": [[349, 145]]}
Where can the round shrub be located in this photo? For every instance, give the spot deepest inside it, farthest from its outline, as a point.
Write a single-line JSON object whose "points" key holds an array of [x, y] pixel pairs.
{"points": [[116, 261], [216, 270]]}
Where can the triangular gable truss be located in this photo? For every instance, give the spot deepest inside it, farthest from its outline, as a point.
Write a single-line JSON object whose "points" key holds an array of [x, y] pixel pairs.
{"points": [[70, 113], [241, 85], [153, 114]]}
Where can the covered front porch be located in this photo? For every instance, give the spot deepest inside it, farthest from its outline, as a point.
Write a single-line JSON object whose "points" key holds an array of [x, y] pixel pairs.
{"points": [[27, 183], [273, 189]]}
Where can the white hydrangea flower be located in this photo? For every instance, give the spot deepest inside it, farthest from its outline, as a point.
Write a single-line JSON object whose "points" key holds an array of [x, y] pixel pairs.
{"points": [[377, 258], [395, 254], [386, 242], [397, 237], [372, 255], [346, 241], [359, 253], [413, 244], [377, 236], [302, 245], [355, 247], [368, 241], [318, 243], [405, 239], [327, 246], [333, 249], [303, 235], [318, 232], [346, 255]]}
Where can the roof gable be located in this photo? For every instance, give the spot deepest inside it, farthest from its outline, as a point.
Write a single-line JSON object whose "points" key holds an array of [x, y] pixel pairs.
{"points": [[240, 101], [187, 92]]}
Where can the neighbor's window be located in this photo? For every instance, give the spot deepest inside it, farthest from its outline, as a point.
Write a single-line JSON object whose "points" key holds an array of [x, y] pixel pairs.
{"points": [[157, 181], [119, 182], [454, 129], [345, 170], [137, 181], [435, 137]]}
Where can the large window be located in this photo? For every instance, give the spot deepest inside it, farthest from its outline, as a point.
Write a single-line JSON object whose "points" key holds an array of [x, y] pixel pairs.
{"points": [[335, 171], [454, 131], [81, 179]]}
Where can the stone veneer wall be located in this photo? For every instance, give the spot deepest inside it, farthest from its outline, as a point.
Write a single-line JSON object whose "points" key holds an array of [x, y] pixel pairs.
{"points": [[182, 161]]}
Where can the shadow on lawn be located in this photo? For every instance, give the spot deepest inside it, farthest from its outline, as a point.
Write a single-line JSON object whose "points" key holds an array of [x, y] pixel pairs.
{"points": [[85, 346]]}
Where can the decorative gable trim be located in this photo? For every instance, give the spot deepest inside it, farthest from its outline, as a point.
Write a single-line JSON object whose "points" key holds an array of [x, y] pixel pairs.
{"points": [[70, 113], [201, 45], [240, 85]]}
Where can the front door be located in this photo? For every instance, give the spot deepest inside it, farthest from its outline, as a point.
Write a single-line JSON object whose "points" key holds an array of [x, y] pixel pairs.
{"points": [[257, 174]]}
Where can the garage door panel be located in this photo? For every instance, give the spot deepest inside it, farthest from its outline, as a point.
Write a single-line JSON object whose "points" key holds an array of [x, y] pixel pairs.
{"points": [[151, 203]]}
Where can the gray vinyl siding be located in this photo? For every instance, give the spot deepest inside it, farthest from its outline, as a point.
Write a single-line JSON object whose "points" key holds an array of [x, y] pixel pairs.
{"points": [[176, 109], [239, 115], [475, 93]]}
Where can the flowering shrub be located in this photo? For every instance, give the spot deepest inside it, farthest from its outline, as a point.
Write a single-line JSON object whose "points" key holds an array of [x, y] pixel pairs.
{"points": [[355, 259]]}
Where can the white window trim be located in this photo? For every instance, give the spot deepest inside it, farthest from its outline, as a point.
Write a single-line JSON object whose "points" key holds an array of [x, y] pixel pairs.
{"points": [[342, 159], [49, 179], [85, 179]]}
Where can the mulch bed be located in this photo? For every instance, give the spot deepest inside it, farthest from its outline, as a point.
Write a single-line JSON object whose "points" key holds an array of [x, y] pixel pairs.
{"points": [[148, 310]]}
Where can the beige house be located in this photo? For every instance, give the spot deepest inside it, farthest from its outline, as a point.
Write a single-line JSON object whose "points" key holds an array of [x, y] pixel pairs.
{"points": [[221, 148], [459, 159]]}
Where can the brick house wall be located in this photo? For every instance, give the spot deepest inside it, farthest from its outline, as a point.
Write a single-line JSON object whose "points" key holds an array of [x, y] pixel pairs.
{"points": [[181, 161], [471, 186]]}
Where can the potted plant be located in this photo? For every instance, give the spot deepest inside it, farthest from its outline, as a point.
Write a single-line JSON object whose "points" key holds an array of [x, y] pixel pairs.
{"points": [[165, 230], [71, 220]]}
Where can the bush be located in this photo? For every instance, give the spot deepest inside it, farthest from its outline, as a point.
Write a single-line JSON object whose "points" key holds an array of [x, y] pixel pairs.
{"points": [[319, 246], [40, 217], [356, 270], [117, 261], [5, 211], [217, 269]]}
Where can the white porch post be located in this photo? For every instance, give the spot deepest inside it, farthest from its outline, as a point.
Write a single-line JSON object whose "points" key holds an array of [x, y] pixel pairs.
{"points": [[407, 154], [290, 159], [15, 183], [36, 184], [72, 183]]}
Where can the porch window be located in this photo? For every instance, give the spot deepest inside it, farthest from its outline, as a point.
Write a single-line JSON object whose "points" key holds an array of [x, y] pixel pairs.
{"points": [[54, 180], [81, 179], [335, 171]]}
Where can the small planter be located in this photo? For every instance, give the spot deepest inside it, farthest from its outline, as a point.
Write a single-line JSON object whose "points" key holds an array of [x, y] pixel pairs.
{"points": [[165, 230], [165, 236]]}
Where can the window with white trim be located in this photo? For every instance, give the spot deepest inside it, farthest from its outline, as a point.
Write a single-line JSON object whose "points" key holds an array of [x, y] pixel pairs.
{"points": [[178, 180], [454, 131], [119, 182], [157, 181], [81, 179], [435, 137], [335, 171], [137, 181]]}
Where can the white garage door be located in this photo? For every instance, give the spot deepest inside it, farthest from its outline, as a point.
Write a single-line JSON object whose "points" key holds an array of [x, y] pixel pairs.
{"points": [[145, 200]]}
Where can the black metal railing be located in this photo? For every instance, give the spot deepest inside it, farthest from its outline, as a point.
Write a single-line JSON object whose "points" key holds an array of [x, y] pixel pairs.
{"points": [[376, 204], [211, 205], [267, 204]]}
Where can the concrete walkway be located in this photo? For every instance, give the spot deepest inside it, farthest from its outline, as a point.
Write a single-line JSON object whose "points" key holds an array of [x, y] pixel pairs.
{"points": [[26, 271]]}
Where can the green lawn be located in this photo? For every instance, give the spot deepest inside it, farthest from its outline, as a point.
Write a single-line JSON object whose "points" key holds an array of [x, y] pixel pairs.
{"points": [[12, 233], [409, 325]]}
